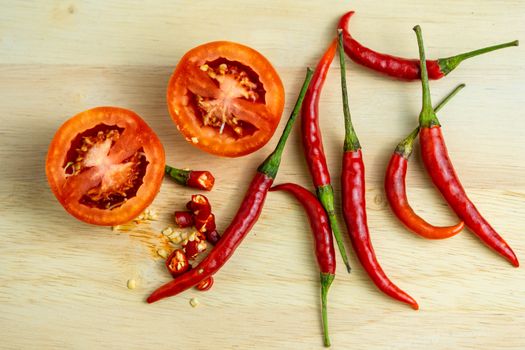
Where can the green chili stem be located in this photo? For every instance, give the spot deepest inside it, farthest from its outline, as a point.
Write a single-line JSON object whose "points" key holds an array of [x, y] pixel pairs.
{"points": [[351, 141], [179, 175], [326, 281], [448, 64], [427, 117], [271, 164], [405, 147], [326, 197]]}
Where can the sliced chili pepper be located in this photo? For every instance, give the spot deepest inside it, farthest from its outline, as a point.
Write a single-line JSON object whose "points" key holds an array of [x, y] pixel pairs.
{"points": [[212, 236], [395, 187], [206, 284], [177, 263], [324, 245], [439, 167], [404, 68], [247, 215], [200, 179], [183, 218], [194, 247], [205, 225], [199, 205], [313, 146], [354, 203]]}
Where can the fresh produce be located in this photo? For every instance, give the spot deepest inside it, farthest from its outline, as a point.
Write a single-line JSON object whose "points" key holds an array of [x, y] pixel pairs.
{"points": [[225, 98], [199, 179], [439, 167], [404, 68], [395, 187], [324, 245], [247, 215], [313, 146], [354, 203], [183, 218], [105, 165], [177, 262]]}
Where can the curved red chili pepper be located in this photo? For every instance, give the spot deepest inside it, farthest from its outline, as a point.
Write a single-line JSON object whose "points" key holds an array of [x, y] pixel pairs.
{"points": [[324, 245], [241, 224], [200, 179], [313, 146], [354, 204], [404, 68], [435, 158], [395, 187]]}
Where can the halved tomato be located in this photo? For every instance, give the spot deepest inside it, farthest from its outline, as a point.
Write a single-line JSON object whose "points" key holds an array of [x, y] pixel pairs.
{"points": [[225, 98], [105, 165]]}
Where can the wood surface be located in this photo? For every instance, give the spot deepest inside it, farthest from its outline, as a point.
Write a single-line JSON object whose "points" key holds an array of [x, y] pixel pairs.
{"points": [[63, 283]]}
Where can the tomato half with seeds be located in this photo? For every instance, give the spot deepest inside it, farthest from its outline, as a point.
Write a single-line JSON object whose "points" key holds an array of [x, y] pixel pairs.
{"points": [[105, 165], [225, 98]]}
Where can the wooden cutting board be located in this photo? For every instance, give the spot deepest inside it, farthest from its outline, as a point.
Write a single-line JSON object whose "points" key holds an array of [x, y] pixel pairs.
{"points": [[63, 283]]}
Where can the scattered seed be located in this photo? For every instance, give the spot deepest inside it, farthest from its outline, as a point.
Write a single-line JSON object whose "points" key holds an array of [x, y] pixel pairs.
{"points": [[194, 302], [162, 253], [167, 231], [131, 284]]}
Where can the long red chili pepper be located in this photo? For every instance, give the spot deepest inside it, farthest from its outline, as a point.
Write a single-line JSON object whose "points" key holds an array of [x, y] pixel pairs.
{"points": [[313, 146], [438, 165], [395, 187], [201, 179], [246, 217], [404, 68], [354, 205], [324, 245]]}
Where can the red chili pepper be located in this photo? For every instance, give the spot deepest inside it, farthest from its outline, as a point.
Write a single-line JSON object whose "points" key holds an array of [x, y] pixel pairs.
{"points": [[199, 205], [183, 218], [212, 236], [313, 146], [202, 180], [396, 190], [206, 224], [194, 247], [354, 204], [438, 165], [177, 263], [246, 217], [205, 284], [404, 68], [324, 245]]}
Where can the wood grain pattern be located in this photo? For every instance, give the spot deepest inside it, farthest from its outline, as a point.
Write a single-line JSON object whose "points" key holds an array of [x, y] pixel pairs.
{"points": [[63, 283]]}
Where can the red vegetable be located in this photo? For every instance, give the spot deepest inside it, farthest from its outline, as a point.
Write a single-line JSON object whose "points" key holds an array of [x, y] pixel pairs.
{"points": [[324, 245], [435, 158], [105, 165], [396, 191], [313, 146], [225, 98], [212, 236], [403, 68], [205, 225], [354, 205], [177, 263], [205, 284], [183, 218], [194, 247], [199, 205], [202, 180], [247, 215]]}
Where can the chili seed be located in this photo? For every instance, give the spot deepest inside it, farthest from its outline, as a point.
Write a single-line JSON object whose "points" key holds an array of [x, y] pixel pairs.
{"points": [[131, 284], [162, 253], [194, 302]]}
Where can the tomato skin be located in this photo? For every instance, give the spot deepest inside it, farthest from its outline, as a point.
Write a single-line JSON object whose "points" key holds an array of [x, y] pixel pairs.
{"points": [[206, 138], [136, 133]]}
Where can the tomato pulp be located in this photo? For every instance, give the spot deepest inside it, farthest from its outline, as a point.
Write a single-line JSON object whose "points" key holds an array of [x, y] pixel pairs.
{"points": [[225, 98], [105, 165]]}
